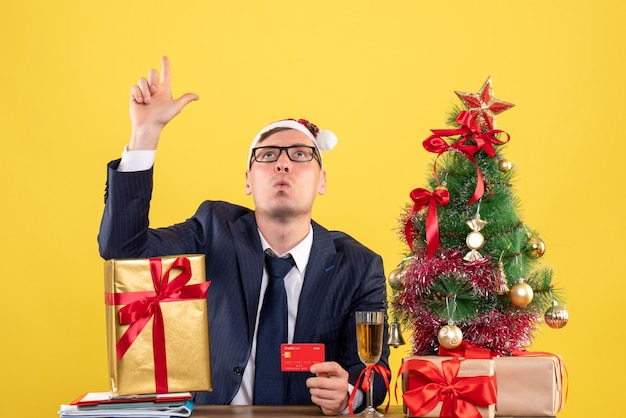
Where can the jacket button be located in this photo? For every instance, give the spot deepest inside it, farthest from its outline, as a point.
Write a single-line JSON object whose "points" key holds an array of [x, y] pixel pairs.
{"points": [[238, 370]]}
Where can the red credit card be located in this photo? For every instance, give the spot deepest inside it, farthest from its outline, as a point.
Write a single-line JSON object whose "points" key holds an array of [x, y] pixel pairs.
{"points": [[300, 357]]}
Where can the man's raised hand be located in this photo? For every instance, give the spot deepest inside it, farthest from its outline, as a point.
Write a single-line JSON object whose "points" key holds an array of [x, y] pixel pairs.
{"points": [[152, 107]]}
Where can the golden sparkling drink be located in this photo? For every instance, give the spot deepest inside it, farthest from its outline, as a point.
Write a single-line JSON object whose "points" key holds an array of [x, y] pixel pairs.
{"points": [[370, 341]]}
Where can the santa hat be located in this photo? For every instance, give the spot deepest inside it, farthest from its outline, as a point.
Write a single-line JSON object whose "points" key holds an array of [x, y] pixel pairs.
{"points": [[323, 140]]}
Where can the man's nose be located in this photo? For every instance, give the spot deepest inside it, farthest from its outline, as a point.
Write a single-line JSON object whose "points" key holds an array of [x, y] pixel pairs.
{"points": [[283, 162]]}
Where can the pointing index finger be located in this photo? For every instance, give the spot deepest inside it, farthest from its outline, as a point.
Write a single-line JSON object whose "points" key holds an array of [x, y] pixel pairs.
{"points": [[165, 70]]}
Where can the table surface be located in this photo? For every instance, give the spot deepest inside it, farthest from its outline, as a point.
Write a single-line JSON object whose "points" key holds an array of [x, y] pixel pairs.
{"points": [[296, 411], [220, 411]]}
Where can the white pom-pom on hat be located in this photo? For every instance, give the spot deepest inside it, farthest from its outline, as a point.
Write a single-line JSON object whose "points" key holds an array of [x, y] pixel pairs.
{"points": [[324, 140]]}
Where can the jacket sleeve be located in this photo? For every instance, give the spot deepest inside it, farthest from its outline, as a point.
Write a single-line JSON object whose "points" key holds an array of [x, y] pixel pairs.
{"points": [[124, 228]]}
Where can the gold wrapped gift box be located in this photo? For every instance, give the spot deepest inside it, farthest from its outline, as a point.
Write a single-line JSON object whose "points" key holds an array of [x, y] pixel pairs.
{"points": [[483, 369], [157, 327]]}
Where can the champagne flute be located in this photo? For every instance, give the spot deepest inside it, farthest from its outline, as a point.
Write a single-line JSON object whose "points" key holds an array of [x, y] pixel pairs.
{"points": [[369, 332]]}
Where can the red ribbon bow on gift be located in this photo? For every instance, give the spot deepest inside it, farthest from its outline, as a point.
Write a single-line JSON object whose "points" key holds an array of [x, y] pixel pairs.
{"points": [[469, 130], [468, 351], [422, 198], [140, 307], [459, 395], [364, 380]]}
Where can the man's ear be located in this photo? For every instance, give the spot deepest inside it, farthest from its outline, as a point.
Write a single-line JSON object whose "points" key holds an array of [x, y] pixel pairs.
{"points": [[248, 187], [322, 187]]}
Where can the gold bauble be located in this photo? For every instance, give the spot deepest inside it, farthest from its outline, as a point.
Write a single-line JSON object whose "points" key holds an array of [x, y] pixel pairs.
{"points": [[505, 165], [474, 240], [521, 294], [556, 317], [396, 278], [450, 336], [535, 247]]}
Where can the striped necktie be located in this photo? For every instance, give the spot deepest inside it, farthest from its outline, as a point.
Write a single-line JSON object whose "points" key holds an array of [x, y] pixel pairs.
{"points": [[269, 381]]}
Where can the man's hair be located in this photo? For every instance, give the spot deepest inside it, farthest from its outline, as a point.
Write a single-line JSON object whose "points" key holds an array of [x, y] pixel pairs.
{"points": [[265, 135]]}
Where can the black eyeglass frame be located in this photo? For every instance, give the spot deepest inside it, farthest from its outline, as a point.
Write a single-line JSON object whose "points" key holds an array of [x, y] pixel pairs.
{"points": [[315, 154]]}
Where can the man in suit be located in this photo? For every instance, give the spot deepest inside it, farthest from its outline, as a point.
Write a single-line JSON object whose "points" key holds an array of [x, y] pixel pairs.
{"points": [[333, 277]]}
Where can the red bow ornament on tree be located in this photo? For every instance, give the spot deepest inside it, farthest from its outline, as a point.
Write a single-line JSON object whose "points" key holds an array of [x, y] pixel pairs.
{"points": [[469, 131], [422, 198]]}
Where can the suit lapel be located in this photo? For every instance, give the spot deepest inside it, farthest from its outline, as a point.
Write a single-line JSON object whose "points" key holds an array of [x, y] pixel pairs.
{"points": [[322, 267], [250, 260]]}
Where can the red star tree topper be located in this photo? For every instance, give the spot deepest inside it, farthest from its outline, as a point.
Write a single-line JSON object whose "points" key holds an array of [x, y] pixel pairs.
{"points": [[483, 105]]}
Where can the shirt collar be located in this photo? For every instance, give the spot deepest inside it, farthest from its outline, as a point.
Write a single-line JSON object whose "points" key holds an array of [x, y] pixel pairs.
{"points": [[300, 252]]}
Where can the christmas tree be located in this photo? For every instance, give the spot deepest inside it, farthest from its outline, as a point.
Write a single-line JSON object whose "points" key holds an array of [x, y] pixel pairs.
{"points": [[472, 270]]}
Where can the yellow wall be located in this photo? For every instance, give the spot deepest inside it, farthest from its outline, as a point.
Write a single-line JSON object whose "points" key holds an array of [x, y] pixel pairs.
{"points": [[380, 74]]}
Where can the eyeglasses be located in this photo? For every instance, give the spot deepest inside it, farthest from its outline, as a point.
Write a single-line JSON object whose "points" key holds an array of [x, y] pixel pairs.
{"points": [[296, 153]]}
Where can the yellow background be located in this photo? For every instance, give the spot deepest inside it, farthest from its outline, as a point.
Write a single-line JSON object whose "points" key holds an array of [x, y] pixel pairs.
{"points": [[379, 74]]}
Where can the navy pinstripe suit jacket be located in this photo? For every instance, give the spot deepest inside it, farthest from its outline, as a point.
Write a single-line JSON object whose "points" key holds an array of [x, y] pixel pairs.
{"points": [[342, 277]]}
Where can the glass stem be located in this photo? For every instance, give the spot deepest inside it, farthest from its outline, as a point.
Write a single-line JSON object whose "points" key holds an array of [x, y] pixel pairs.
{"points": [[370, 393]]}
